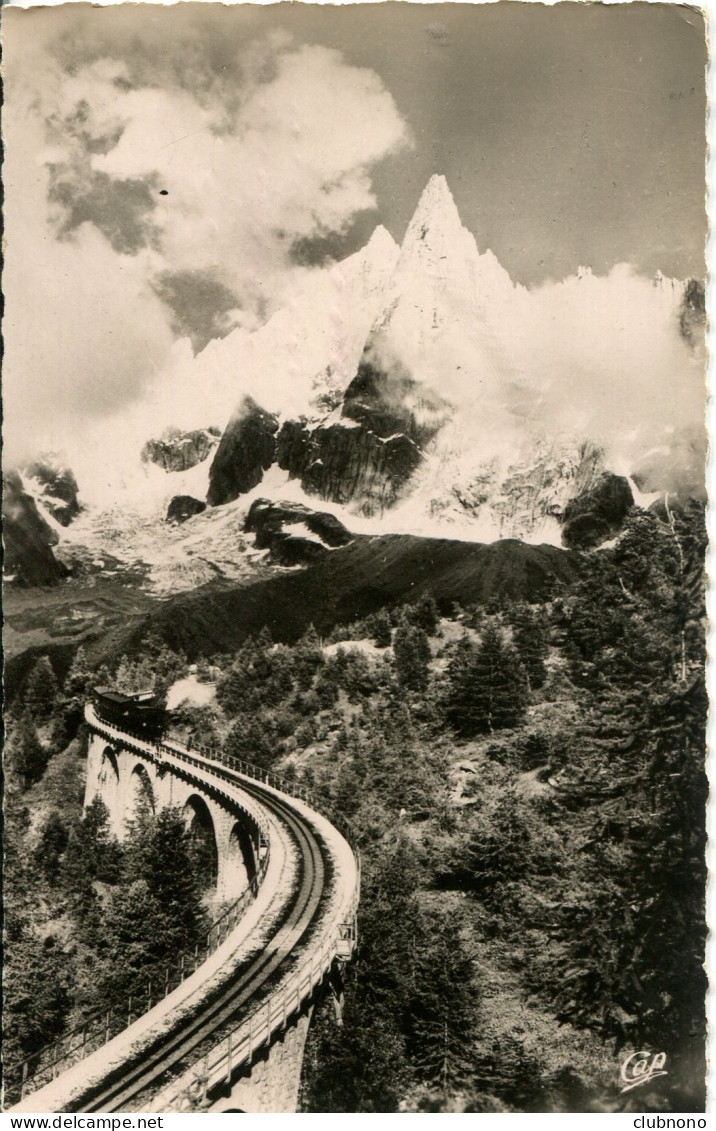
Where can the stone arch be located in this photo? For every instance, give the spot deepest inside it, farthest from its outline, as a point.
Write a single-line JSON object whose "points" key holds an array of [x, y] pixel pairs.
{"points": [[200, 825], [109, 768], [105, 783], [242, 851], [141, 789]]}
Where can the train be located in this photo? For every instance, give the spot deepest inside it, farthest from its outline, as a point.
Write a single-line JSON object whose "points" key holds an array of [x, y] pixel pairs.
{"points": [[141, 713]]}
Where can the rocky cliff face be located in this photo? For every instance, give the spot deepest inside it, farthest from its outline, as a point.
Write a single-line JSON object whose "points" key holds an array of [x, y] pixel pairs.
{"points": [[183, 507], [597, 513], [247, 449], [295, 534], [266, 518], [55, 486], [27, 537], [180, 451], [347, 463]]}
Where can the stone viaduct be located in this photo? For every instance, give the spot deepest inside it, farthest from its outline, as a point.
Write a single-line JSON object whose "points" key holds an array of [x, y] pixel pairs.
{"points": [[230, 835], [286, 879]]}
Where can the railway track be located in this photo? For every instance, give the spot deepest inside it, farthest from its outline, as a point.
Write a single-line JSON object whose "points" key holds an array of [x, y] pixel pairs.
{"points": [[138, 1080]]}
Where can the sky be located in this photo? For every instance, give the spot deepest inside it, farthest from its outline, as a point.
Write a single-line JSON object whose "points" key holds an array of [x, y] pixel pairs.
{"points": [[174, 173]]}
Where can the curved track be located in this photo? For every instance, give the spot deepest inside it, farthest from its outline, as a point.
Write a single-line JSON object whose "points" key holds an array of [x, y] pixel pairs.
{"points": [[247, 985]]}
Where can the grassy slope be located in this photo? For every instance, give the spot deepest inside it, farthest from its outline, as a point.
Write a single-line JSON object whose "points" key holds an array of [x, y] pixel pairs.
{"points": [[368, 574]]}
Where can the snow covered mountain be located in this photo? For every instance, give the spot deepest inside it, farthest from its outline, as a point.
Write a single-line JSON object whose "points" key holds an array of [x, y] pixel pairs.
{"points": [[467, 405], [417, 389]]}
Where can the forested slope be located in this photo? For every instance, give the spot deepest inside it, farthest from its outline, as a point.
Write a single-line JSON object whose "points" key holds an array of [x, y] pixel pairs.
{"points": [[527, 783]]}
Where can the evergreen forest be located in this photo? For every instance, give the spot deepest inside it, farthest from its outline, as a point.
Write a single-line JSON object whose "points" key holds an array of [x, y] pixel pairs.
{"points": [[528, 789]]}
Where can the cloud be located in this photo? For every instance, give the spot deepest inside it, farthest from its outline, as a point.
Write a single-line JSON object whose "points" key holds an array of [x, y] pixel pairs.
{"points": [[82, 327], [155, 194], [120, 209], [609, 359], [293, 162]]}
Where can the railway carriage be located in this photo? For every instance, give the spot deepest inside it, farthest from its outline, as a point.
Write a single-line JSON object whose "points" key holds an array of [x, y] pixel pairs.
{"points": [[141, 713]]}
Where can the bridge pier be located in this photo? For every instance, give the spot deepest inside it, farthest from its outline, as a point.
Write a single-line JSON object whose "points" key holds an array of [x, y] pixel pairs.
{"points": [[271, 1085]]}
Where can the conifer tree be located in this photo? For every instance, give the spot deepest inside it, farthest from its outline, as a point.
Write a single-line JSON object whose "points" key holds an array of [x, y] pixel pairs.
{"points": [[41, 689], [306, 659], [425, 614], [29, 757], [412, 654], [92, 851], [382, 630], [444, 1005], [79, 677], [36, 992], [51, 846], [172, 878], [530, 640], [486, 686]]}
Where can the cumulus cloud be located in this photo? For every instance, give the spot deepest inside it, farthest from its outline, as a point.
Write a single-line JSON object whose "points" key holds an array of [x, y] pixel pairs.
{"points": [[156, 195], [609, 360], [598, 359]]}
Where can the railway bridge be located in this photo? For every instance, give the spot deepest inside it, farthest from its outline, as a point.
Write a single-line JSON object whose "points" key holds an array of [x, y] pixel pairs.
{"points": [[222, 1028]]}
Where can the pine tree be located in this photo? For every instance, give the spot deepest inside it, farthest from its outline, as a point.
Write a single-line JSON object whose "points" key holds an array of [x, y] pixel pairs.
{"points": [[41, 689], [425, 614], [173, 879], [51, 846], [79, 677], [92, 852], [359, 1066], [412, 654], [135, 940], [634, 947], [305, 660], [383, 632], [444, 1004], [36, 992], [530, 640], [29, 757], [252, 740], [486, 686]]}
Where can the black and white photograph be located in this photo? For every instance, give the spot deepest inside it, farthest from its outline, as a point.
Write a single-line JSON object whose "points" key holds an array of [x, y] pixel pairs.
{"points": [[354, 540]]}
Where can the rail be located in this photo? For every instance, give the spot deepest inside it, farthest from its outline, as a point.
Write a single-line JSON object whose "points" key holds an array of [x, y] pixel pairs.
{"points": [[339, 940], [103, 1025]]}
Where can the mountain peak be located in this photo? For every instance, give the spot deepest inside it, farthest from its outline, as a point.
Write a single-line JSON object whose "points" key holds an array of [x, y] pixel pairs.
{"points": [[436, 243], [437, 189], [436, 208], [381, 240]]}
